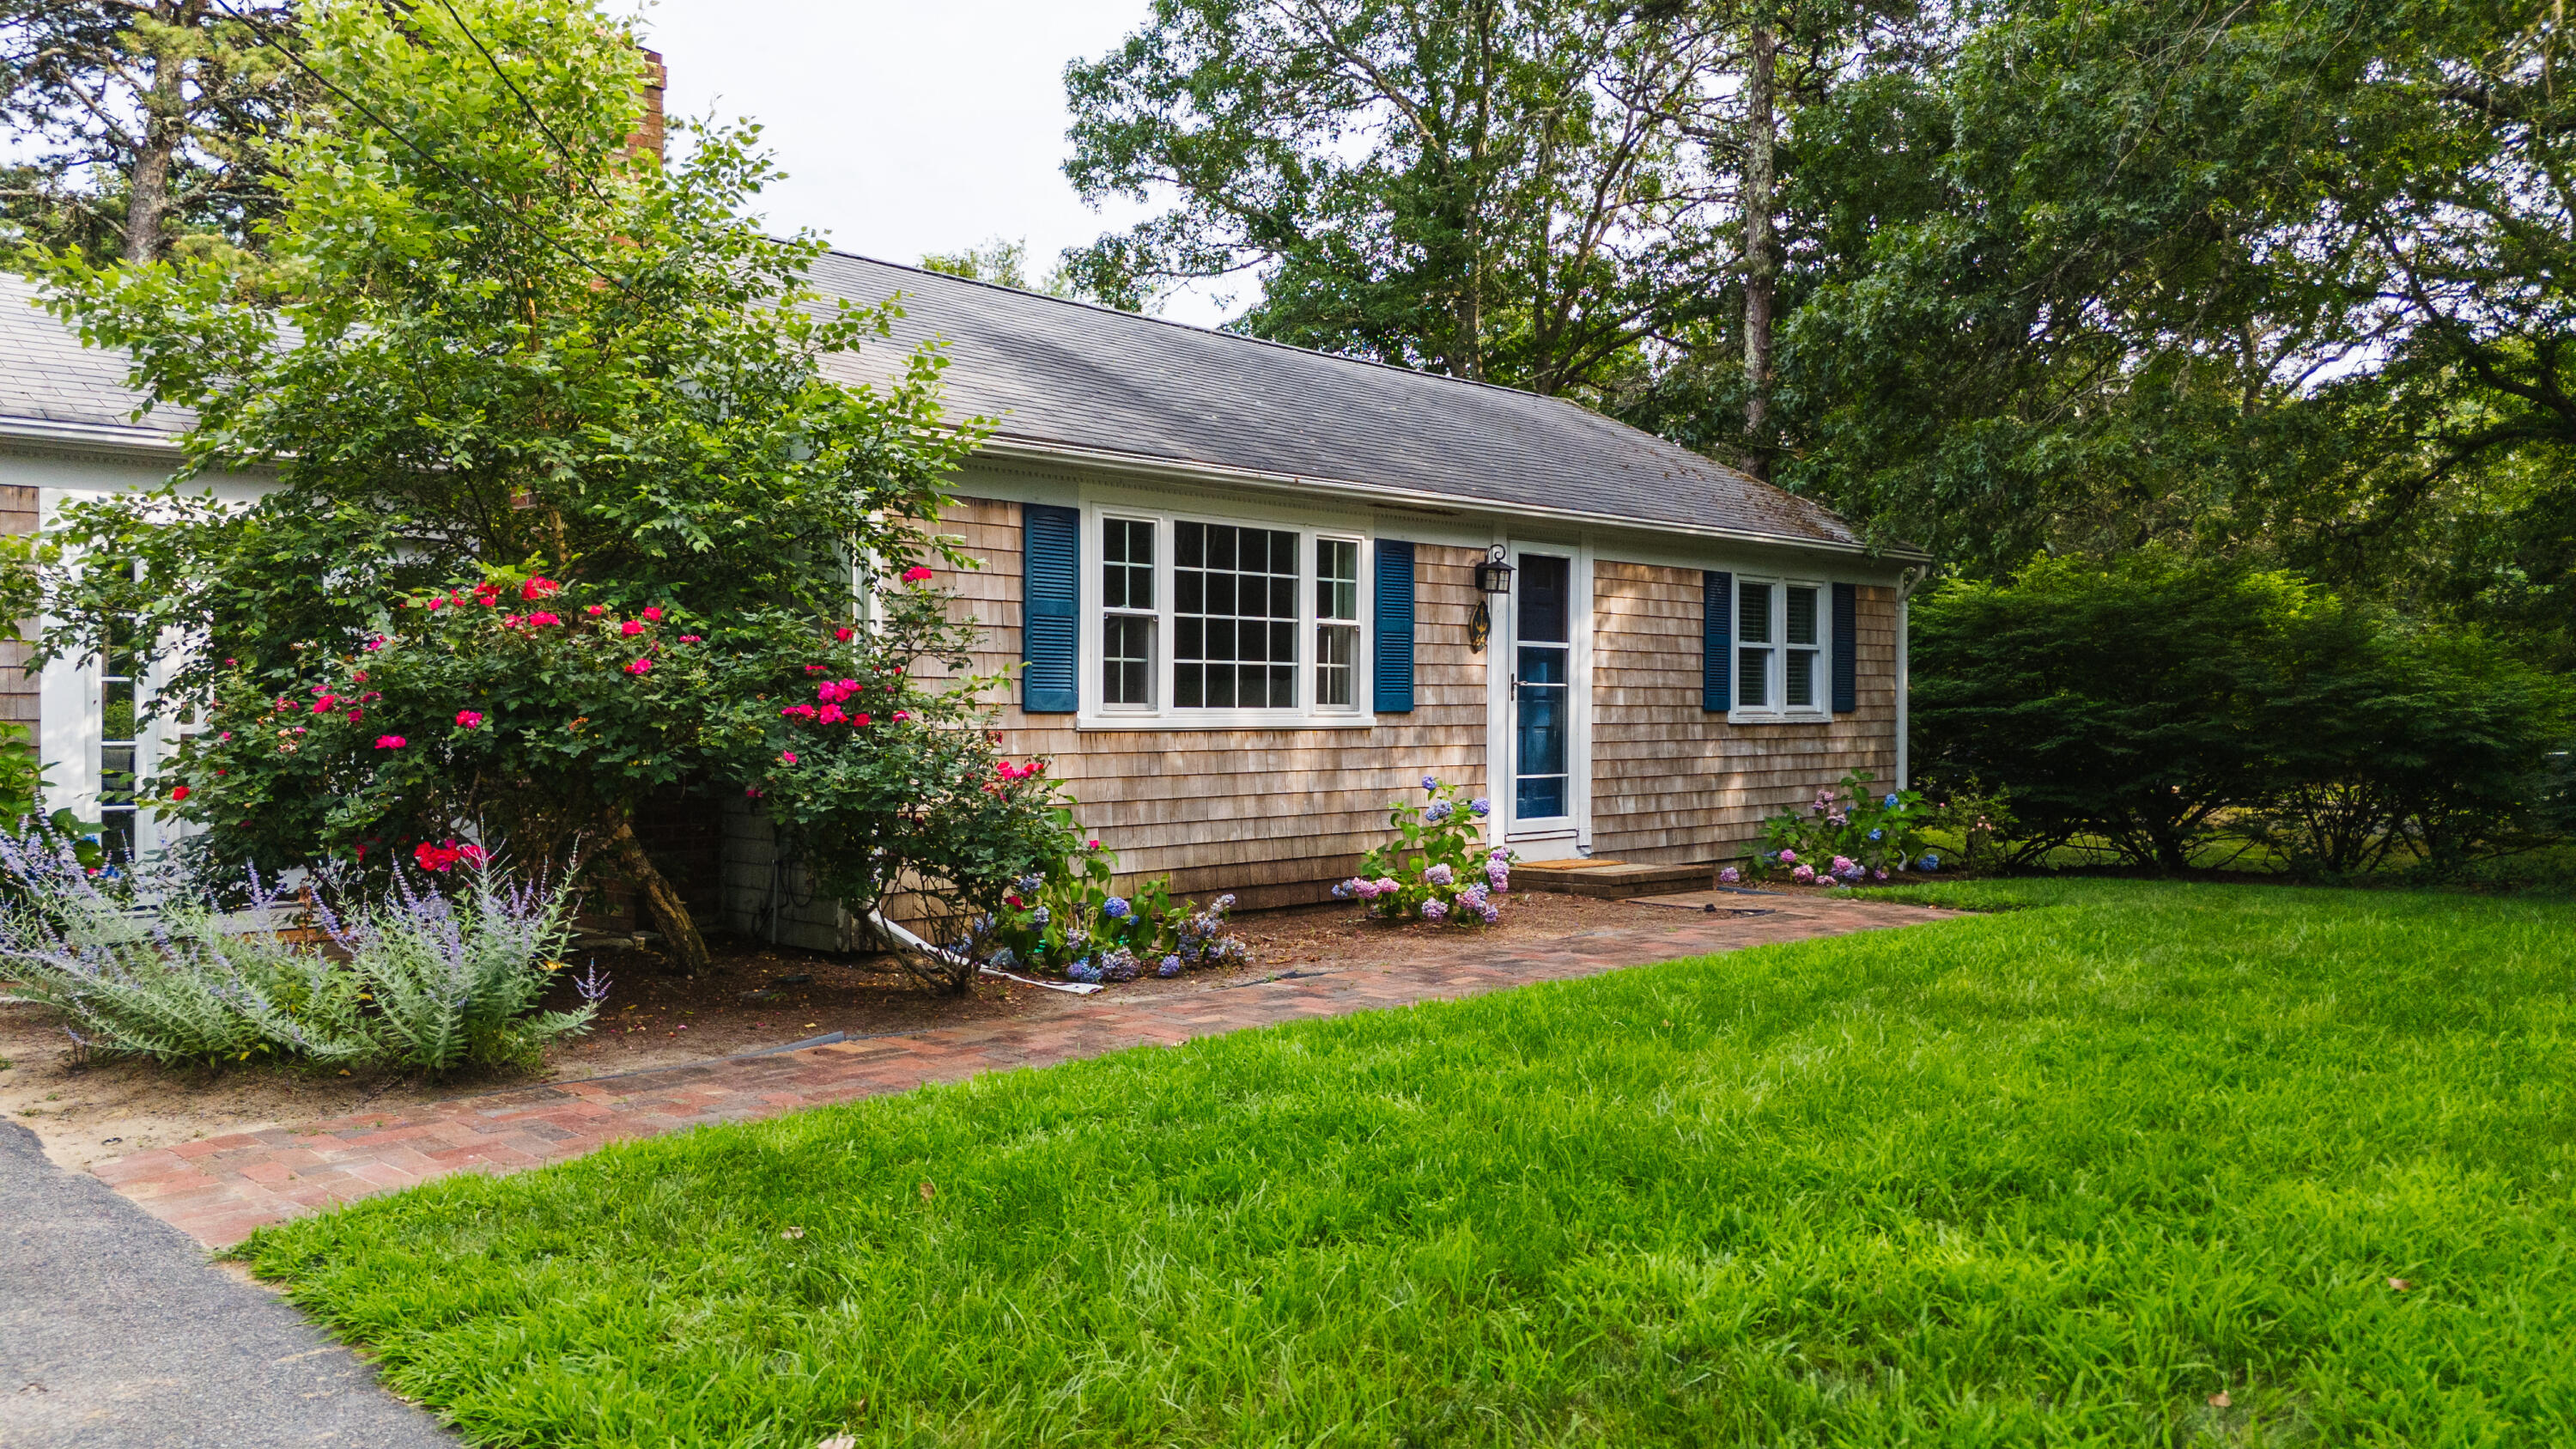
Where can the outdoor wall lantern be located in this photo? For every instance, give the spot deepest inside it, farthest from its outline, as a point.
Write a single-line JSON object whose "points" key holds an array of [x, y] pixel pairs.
{"points": [[1493, 579]]}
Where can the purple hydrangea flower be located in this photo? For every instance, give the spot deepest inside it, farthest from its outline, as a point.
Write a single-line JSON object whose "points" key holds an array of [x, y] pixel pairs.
{"points": [[1115, 908], [1440, 875], [1429, 783], [1729, 876], [1804, 875], [1788, 857], [1385, 883], [1480, 807], [1440, 810], [1491, 913], [1433, 911], [1170, 968]]}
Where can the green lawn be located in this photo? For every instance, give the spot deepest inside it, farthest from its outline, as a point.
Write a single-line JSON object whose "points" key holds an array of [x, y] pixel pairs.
{"points": [[2053, 1175]]}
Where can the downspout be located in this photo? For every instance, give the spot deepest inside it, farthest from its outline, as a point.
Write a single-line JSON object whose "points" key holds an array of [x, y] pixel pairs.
{"points": [[1906, 583], [945, 957]]}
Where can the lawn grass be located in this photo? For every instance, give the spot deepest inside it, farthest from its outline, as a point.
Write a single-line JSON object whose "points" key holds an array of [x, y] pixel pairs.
{"points": [[2053, 1175]]}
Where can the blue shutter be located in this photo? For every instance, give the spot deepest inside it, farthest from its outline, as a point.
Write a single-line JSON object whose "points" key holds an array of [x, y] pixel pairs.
{"points": [[1050, 607], [1717, 622], [1846, 649], [1392, 671]]}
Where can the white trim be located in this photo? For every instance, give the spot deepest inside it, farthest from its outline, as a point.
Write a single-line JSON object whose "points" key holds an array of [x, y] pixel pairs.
{"points": [[1094, 714], [1555, 837], [1184, 471], [1776, 676], [1904, 756]]}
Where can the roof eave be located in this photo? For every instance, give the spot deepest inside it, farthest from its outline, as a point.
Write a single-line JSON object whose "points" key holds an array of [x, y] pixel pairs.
{"points": [[1145, 465], [120, 440]]}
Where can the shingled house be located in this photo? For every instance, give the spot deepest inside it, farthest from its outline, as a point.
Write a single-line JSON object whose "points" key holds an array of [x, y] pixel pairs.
{"points": [[1239, 585]]}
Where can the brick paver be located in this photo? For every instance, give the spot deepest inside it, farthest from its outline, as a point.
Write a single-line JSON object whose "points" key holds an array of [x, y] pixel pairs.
{"points": [[218, 1189]]}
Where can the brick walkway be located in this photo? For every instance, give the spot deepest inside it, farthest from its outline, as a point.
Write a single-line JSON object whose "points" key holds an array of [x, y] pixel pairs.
{"points": [[219, 1189]]}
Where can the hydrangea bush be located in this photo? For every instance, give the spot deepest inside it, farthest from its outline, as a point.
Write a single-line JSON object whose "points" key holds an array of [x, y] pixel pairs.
{"points": [[1070, 920], [1849, 833], [1438, 868]]}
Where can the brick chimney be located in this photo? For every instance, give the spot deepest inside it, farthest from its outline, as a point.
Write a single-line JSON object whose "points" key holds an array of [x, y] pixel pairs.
{"points": [[648, 132]]}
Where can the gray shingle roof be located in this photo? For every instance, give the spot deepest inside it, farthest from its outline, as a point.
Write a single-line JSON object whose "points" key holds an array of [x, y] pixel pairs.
{"points": [[46, 375], [1070, 374], [1067, 374]]}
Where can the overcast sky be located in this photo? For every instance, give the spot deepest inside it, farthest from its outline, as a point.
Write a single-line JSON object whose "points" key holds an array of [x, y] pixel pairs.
{"points": [[906, 128]]}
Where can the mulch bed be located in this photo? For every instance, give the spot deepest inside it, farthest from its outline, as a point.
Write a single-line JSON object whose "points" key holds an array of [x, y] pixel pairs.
{"points": [[754, 1001]]}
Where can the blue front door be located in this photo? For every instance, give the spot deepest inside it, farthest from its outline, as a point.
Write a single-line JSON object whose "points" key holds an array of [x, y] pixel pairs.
{"points": [[1542, 681]]}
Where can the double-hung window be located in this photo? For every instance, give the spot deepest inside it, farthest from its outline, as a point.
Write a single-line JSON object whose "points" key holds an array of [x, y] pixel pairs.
{"points": [[1780, 631], [1128, 620], [1337, 623], [1223, 623]]}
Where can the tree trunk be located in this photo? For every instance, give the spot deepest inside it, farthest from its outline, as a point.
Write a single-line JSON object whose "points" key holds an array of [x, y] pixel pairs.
{"points": [[1760, 265], [165, 126], [670, 914]]}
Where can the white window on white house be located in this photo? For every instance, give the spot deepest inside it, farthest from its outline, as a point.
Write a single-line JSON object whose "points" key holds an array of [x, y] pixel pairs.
{"points": [[1128, 665], [1337, 623], [119, 685], [1779, 646], [1234, 617]]}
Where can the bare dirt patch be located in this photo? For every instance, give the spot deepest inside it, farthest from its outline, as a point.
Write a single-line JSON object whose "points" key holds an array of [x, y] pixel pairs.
{"points": [[91, 1111]]}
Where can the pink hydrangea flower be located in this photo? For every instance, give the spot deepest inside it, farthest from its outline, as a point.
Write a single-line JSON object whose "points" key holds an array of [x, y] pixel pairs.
{"points": [[1788, 857], [1804, 875]]}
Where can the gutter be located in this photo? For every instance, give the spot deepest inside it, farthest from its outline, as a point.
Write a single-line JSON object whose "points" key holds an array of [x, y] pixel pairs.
{"points": [[130, 441], [1142, 465], [109, 439]]}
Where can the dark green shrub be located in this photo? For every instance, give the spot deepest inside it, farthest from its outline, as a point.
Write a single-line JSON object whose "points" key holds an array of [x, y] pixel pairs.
{"points": [[2111, 702], [2159, 702], [2387, 744]]}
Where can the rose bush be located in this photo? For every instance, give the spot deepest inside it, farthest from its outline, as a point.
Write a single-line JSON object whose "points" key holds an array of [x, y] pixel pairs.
{"points": [[1438, 868], [545, 713]]}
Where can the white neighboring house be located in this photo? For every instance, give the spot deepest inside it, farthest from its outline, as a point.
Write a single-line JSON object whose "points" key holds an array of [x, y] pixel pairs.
{"points": [[67, 432]]}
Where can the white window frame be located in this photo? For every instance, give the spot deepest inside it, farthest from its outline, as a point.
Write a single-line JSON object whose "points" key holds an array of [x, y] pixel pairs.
{"points": [[1162, 714], [1158, 631], [1776, 709]]}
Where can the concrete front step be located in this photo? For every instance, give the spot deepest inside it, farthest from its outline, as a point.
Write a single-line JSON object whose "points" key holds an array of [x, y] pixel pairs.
{"points": [[1610, 879]]}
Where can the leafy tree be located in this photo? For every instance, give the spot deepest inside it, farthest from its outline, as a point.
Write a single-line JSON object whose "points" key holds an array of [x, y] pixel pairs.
{"points": [[490, 333], [142, 122], [2280, 281], [1000, 261], [1520, 191]]}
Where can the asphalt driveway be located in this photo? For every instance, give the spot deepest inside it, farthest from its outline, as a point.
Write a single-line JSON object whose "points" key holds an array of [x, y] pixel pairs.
{"points": [[115, 1333]]}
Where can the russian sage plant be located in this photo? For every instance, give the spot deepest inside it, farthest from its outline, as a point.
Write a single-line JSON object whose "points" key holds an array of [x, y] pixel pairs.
{"points": [[417, 978]]}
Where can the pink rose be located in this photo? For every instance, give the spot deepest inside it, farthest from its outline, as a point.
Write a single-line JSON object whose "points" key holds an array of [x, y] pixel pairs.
{"points": [[631, 628], [653, 612], [640, 666], [787, 757], [842, 633], [916, 575], [469, 719], [390, 742]]}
